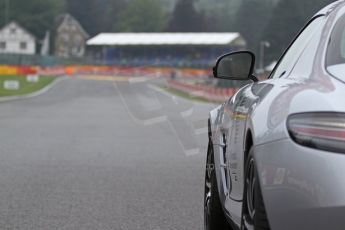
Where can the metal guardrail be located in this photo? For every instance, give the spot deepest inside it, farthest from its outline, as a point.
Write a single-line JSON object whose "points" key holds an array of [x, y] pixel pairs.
{"points": [[37, 60], [49, 61], [208, 92]]}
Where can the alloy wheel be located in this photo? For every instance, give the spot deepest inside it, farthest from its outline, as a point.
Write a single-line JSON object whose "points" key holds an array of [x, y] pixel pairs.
{"points": [[208, 188], [250, 197]]}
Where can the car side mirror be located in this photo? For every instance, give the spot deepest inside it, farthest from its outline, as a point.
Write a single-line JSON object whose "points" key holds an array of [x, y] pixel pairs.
{"points": [[235, 66]]}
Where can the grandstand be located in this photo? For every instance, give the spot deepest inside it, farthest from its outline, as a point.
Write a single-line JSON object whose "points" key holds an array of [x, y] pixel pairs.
{"points": [[163, 49]]}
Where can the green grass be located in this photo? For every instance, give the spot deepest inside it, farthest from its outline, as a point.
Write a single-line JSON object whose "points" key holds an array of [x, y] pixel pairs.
{"points": [[186, 95], [25, 87]]}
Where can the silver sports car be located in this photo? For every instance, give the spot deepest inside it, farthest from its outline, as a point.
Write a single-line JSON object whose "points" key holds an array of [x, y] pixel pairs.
{"points": [[276, 155]]}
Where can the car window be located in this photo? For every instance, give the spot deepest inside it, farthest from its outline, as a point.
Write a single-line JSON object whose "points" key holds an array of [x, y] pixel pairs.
{"points": [[291, 56], [335, 60], [305, 63]]}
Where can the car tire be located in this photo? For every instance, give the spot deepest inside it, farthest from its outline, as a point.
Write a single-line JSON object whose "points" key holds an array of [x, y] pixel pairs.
{"points": [[214, 218], [253, 209]]}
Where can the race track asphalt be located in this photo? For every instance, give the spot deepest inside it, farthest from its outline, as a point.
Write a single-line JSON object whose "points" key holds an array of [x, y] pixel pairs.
{"points": [[102, 154]]}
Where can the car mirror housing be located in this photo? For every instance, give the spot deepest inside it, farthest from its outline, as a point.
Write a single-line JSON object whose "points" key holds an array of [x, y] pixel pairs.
{"points": [[235, 66]]}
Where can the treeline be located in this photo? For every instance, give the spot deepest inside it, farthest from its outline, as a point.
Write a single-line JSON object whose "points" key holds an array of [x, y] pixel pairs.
{"points": [[141, 16], [37, 16], [275, 21]]}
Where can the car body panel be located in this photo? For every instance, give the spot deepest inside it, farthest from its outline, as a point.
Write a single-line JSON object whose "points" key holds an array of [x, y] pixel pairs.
{"points": [[303, 188], [261, 109]]}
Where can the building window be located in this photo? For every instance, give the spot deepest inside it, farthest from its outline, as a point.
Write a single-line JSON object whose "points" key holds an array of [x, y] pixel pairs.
{"points": [[13, 30], [23, 45], [2, 45]]}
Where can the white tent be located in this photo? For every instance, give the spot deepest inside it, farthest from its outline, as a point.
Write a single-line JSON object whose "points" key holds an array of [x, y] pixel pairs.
{"points": [[139, 39]]}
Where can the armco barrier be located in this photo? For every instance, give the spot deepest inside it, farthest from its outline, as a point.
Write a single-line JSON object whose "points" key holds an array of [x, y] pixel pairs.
{"points": [[17, 70], [113, 70], [210, 93]]}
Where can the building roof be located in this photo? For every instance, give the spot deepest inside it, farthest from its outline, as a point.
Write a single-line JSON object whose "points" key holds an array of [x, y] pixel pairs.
{"points": [[16, 24], [127, 39], [67, 19]]}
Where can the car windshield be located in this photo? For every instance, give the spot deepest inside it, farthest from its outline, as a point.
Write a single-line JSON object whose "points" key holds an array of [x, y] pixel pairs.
{"points": [[336, 51]]}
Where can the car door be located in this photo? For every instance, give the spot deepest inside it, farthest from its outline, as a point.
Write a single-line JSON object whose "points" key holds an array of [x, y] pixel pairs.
{"points": [[238, 109]]}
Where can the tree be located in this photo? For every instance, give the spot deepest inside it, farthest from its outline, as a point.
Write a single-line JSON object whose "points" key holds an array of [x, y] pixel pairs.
{"points": [[220, 14], [141, 16], [285, 25], [185, 18], [37, 16], [92, 15], [308, 8], [280, 32], [251, 20]]}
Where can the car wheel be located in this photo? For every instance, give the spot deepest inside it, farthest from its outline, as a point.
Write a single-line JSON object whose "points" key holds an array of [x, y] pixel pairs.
{"points": [[214, 217], [253, 210]]}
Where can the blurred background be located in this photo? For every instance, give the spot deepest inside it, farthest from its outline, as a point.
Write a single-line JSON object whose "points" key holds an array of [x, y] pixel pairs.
{"points": [[111, 132], [266, 27]]}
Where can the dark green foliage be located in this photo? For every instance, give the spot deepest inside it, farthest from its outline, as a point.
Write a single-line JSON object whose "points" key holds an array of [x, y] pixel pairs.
{"points": [[95, 16], [251, 20], [37, 16], [185, 18], [286, 21], [283, 26], [220, 14], [141, 16], [274, 20]]}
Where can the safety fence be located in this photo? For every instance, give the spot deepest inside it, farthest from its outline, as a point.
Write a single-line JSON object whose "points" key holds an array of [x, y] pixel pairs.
{"points": [[177, 78], [49, 61], [17, 70], [102, 70], [209, 92], [38, 60]]}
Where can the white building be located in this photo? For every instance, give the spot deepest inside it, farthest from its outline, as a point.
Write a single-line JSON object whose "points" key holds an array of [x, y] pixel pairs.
{"points": [[16, 40]]}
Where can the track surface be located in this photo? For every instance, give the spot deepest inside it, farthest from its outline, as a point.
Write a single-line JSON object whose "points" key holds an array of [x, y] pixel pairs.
{"points": [[102, 155]]}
